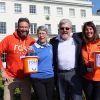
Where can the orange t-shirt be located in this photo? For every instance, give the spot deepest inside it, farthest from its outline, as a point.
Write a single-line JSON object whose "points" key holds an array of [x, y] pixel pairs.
{"points": [[88, 52]]}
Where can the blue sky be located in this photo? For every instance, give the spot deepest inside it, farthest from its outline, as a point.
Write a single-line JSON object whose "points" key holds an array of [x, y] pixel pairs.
{"points": [[96, 5]]}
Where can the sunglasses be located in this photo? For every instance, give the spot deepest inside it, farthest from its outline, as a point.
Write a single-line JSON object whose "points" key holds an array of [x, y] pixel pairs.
{"points": [[62, 28]]}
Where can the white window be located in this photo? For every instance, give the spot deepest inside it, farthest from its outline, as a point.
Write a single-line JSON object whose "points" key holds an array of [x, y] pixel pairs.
{"points": [[32, 9], [71, 12], [2, 27], [16, 26], [49, 28], [59, 11], [3, 57], [33, 28], [83, 13], [46, 10], [73, 28], [2, 7], [98, 28], [18, 8]]}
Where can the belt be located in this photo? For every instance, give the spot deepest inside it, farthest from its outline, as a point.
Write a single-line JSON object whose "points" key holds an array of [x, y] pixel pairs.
{"points": [[62, 71]]}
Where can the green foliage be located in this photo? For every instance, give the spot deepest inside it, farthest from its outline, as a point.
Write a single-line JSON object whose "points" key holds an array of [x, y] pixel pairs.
{"points": [[1, 89], [1, 84], [17, 93]]}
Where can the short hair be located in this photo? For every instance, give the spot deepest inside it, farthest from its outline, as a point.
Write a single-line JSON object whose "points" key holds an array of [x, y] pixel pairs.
{"points": [[23, 20], [90, 24], [64, 21], [42, 28]]}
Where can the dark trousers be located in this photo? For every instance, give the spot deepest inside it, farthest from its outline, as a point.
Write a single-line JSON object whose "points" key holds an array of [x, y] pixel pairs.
{"points": [[69, 86], [91, 89], [43, 88]]}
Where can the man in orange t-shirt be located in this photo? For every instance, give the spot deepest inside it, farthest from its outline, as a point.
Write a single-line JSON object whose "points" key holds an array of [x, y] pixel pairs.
{"points": [[15, 46]]}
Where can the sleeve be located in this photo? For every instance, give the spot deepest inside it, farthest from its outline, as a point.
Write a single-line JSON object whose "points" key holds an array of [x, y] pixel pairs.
{"points": [[82, 67], [3, 48]]}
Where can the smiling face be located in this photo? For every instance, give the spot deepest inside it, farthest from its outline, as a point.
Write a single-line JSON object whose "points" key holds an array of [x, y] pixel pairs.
{"points": [[42, 36], [89, 32], [65, 30], [23, 29]]}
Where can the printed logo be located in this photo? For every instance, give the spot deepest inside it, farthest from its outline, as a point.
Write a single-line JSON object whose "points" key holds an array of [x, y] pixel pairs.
{"points": [[32, 65], [20, 49], [98, 60]]}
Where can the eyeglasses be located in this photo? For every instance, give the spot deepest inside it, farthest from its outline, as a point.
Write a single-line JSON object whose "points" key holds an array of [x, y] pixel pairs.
{"points": [[62, 28]]}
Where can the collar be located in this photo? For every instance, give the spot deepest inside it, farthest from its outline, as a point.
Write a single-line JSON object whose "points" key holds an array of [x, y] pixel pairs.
{"points": [[41, 46]]}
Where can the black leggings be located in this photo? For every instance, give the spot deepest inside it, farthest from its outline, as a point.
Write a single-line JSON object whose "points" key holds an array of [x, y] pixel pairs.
{"points": [[43, 88], [91, 89]]}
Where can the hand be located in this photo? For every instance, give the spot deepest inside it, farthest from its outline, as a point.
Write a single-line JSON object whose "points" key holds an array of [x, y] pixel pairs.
{"points": [[5, 77], [30, 49]]}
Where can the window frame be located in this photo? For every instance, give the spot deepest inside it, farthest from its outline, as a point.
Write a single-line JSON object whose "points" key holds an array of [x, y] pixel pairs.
{"points": [[3, 27], [17, 7], [72, 12], [98, 28], [83, 13], [33, 28], [59, 11], [2, 7], [73, 28], [49, 28], [32, 9], [46, 10]]}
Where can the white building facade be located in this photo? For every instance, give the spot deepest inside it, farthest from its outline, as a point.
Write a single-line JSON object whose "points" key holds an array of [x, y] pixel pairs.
{"points": [[45, 12]]}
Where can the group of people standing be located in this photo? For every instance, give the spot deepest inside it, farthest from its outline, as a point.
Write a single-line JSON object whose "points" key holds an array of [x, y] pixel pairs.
{"points": [[65, 64]]}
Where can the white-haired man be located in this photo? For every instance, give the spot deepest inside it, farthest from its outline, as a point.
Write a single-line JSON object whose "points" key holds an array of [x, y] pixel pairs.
{"points": [[67, 60]]}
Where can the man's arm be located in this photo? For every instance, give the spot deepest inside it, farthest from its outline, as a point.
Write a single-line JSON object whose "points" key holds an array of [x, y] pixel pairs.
{"points": [[3, 47]]}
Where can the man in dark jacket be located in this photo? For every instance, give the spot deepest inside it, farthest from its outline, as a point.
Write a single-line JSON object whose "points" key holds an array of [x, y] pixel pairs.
{"points": [[67, 60]]}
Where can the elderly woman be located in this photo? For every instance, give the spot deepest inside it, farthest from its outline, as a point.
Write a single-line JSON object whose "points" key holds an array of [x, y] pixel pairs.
{"points": [[43, 81], [91, 44]]}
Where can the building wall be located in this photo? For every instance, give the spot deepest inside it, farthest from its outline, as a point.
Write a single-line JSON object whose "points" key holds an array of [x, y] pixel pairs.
{"points": [[10, 17]]}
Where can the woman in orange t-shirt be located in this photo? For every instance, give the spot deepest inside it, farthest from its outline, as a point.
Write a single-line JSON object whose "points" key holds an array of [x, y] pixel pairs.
{"points": [[91, 44]]}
